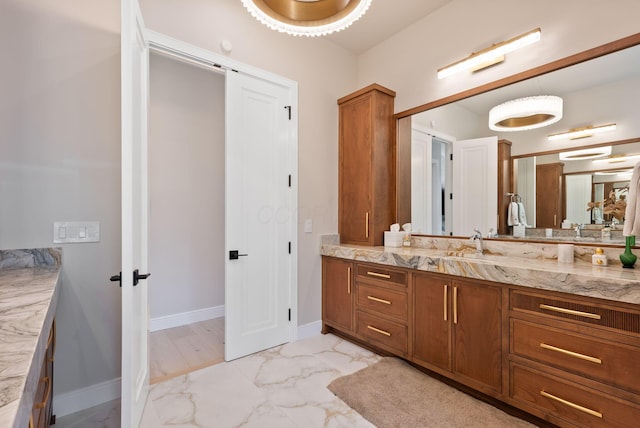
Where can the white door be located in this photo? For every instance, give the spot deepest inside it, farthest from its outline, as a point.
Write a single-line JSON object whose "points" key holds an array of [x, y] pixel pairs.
{"points": [[261, 159], [421, 172], [475, 184], [134, 92]]}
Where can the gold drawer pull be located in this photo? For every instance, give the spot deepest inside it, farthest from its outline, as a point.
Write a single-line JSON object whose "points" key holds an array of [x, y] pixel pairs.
{"points": [[570, 312], [377, 330], [455, 305], [572, 405], [349, 280], [571, 353], [445, 301], [366, 225], [375, 299], [379, 275], [43, 403]]}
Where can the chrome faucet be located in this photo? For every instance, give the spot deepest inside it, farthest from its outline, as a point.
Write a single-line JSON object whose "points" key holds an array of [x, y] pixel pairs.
{"points": [[477, 237], [578, 230]]}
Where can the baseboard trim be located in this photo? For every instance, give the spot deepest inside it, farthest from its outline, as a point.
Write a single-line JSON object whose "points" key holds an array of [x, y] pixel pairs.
{"points": [[185, 318], [309, 330], [84, 398]]}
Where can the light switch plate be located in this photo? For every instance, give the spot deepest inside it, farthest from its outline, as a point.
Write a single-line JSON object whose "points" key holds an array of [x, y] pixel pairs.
{"points": [[308, 225], [73, 232]]}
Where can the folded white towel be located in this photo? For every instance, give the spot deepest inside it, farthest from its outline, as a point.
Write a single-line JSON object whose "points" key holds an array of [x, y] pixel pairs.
{"points": [[522, 216], [512, 215], [632, 212]]}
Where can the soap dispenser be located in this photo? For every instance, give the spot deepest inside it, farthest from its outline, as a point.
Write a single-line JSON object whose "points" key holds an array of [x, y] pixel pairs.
{"points": [[599, 259]]}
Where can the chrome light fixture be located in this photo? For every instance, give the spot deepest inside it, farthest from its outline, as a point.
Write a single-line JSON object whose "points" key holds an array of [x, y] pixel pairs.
{"points": [[588, 153], [526, 113], [587, 131], [492, 55], [307, 17]]}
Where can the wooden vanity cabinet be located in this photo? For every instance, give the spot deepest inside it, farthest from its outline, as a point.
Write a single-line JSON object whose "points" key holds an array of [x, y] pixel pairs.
{"points": [[573, 360], [366, 165], [382, 307], [337, 294], [41, 415], [457, 329]]}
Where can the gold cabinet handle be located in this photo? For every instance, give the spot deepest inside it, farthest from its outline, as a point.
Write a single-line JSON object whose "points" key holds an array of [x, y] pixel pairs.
{"points": [[349, 280], [377, 330], [44, 401], [366, 225], [572, 405], [455, 305], [570, 311], [375, 299], [445, 302], [555, 217], [571, 353], [379, 275], [31, 420]]}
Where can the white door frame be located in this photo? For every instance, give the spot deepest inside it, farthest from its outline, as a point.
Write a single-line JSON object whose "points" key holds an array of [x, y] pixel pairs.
{"points": [[182, 51]]}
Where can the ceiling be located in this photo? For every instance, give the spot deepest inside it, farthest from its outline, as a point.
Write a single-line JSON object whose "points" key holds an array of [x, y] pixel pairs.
{"points": [[383, 19]]}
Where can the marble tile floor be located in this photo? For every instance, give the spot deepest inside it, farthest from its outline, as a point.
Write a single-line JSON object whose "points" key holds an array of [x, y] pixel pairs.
{"points": [[283, 387]]}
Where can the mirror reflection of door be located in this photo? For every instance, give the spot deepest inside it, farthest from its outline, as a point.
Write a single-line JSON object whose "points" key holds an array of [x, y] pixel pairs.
{"points": [[430, 182], [549, 194]]}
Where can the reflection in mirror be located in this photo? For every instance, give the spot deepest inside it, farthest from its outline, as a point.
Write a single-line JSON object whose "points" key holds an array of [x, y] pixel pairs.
{"points": [[594, 190], [603, 90]]}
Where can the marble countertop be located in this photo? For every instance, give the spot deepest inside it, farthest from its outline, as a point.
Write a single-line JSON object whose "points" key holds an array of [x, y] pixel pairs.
{"points": [[581, 278], [29, 288]]}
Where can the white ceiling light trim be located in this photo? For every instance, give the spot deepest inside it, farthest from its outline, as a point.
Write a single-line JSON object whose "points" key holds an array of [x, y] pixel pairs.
{"points": [[296, 24], [587, 131], [526, 113], [491, 55], [589, 153]]}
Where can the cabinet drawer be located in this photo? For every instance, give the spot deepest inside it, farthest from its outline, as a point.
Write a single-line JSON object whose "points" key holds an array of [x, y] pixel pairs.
{"points": [[574, 403], [387, 333], [576, 310], [381, 273], [382, 300], [610, 362]]}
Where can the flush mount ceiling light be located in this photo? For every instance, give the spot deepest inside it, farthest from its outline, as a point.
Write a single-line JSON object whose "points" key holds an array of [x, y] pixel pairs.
{"points": [[492, 55], [307, 17], [582, 154], [526, 113], [587, 131], [615, 172]]}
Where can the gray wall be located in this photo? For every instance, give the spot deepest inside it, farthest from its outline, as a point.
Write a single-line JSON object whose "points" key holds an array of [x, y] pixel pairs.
{"points": [[60, 160], [186, 182]]}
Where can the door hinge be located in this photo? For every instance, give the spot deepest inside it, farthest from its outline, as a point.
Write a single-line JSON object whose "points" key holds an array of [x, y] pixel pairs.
{"points": [[451, 156], [289, 180], [289, 314], [289, 247], [450, 195], [289, 109]]}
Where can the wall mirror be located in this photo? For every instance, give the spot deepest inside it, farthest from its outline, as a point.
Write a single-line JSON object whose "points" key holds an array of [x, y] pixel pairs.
{"points": [[598, 86]]}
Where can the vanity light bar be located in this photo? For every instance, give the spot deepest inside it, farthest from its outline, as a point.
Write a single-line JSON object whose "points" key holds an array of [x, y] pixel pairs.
{"points": [[618, 158], [587, 131], [491, 55]]}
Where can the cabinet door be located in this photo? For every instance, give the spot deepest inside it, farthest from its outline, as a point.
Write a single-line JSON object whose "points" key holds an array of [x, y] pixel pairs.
{"points": [[549, 212], [431, 333], [355, 170], [477, 332], [337, 296]]}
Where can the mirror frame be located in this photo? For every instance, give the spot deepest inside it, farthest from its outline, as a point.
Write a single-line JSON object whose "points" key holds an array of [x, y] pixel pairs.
{"points": [[403, 181]]}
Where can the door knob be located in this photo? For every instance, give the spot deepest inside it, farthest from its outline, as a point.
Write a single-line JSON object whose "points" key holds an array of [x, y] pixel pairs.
{"points": [[233, 255], [137, 276]]}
